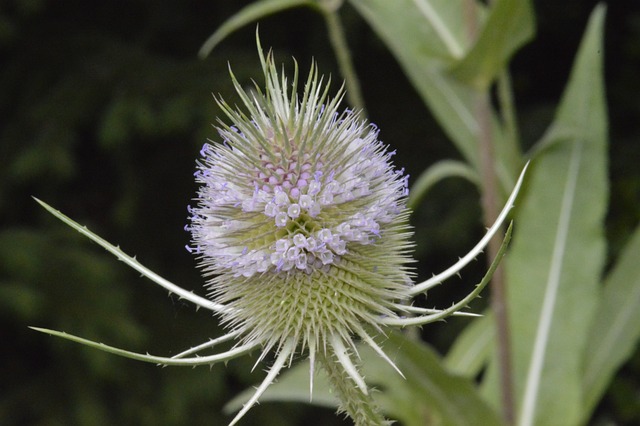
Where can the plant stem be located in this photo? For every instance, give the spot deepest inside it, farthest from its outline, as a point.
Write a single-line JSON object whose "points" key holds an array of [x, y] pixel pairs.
{"points": [[361, 408], [490, 204], [508, 118], [343, 56]]}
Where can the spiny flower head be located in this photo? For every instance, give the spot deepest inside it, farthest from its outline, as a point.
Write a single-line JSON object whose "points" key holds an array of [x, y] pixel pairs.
{"points": [[301, 222]]}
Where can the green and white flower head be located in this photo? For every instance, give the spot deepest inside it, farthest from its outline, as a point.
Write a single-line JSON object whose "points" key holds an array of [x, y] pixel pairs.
{"points": [[301, 222], [301, 230]]}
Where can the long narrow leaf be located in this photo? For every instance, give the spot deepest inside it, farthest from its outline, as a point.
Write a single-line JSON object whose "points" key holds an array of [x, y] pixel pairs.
{"points": [[472, 348], [247, 15], [434, 174], [616, 326], [425, 58], [417, 33], [509, 26], [431, 393], [556, 262]]}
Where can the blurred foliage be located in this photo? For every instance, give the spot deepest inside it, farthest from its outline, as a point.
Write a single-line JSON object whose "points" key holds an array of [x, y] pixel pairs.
{"points": [[104, 107]]}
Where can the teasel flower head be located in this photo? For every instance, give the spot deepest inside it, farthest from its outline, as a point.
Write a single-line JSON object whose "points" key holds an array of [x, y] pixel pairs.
{"points": [[301, 220], [301, 231]]}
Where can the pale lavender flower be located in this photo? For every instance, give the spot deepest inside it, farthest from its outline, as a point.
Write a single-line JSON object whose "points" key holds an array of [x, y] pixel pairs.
{"points": [[301, 231]]}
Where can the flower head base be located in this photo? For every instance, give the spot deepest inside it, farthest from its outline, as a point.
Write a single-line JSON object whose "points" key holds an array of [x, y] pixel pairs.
{"points": [[301, 229], [301, 221]]}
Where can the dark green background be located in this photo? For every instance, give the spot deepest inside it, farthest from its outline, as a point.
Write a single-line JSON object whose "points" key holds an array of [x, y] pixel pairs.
{"points": [[103, 110]]}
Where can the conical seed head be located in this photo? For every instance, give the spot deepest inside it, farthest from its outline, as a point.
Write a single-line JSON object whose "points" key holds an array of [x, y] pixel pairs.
{"points": [[301, 222]]}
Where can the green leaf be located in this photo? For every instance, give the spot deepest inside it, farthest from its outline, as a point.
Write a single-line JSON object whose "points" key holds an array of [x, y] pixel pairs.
{"points": [[434, 174], [555, 264], [616, 326], [423, 54], [510, 25], [427, 43], [428, 395], [293, 386], [472, 348], [250, 13], [446, 31]]}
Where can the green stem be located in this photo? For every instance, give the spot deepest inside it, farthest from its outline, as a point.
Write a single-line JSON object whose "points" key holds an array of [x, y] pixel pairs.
{"points": [[490, 205], [508, 116], [343, 56], [360, 407], [498, 286]]}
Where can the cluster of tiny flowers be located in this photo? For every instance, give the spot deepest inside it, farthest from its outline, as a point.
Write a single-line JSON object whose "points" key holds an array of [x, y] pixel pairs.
{"points": [[292, 188], [299, 195]]}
